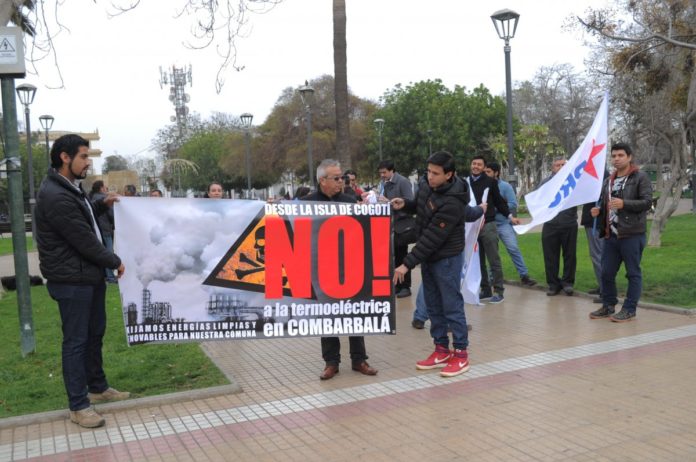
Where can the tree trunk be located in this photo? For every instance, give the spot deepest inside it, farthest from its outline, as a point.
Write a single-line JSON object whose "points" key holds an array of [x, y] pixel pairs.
{"points": [[341, 84], [671, 189]]}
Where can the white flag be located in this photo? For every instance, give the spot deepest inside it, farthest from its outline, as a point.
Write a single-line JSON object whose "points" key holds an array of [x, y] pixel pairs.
{"points": [[578, 182], [471, 271]]}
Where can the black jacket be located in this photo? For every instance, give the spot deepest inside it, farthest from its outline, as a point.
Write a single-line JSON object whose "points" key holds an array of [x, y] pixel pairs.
{"points": [[106, 219], [321, 197], [637, 197], [69, 250], [586, 219], [440, 217], [496, 202]]}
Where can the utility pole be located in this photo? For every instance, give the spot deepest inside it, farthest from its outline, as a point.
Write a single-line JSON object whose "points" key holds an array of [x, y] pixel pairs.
{"points": [[13, 67]]}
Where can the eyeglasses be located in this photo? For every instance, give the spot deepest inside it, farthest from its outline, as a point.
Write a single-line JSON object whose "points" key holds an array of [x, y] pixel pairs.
{"points": [[335, 178]]}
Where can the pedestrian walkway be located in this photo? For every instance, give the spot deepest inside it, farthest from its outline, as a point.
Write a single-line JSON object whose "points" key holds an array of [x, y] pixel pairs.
{"points": [[546, 383]]}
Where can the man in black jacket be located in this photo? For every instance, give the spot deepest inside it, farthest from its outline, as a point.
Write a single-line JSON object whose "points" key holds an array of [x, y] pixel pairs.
{"points": [[560, 234], [105, 222], [330, 189], [625, 201], [395, 185], [488, 237], [72, 258], [441, 208]]}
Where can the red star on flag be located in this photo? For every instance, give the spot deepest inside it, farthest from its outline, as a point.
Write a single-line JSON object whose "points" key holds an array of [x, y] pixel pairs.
{"points": [[589, 167]]}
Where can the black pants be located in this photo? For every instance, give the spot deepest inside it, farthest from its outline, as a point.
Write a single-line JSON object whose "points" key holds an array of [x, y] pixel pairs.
{"points": [[554, 240], [331, 350], [400, 253]]}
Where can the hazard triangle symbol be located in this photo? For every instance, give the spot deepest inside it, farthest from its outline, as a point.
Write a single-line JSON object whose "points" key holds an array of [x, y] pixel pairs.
{"points": [[243, 266]]}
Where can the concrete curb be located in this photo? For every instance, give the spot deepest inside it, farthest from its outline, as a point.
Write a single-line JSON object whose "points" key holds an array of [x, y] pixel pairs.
{"points": [[644, 305], [148, 401]]}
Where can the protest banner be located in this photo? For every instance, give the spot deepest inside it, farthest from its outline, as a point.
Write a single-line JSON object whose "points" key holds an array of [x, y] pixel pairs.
{"points": [[203, 269]]}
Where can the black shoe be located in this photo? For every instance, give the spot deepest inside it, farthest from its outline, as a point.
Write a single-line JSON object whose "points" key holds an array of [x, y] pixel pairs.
{"points": [[405, 292], [594, 291], [485, 295], [552, 292], [417, 324], [527, 281], [568, 290], [597, 300], [623, 316], [604, 312]]}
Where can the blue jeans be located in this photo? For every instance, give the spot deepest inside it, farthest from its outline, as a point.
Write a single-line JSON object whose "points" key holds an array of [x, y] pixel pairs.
{"points": [[83, 315], [441, 288], [421, 312], [508, 237], [628, 250]]}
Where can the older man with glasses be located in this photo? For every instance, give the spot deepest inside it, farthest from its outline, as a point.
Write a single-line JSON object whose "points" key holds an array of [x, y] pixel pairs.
{"points": [[330, 189]]}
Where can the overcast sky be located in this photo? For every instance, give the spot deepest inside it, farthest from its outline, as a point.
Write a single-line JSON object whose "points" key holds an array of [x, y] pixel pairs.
{"points": [[110, 66]]}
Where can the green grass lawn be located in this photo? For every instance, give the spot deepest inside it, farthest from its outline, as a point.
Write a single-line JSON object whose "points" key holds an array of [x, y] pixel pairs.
{"points": [[669, 271], [6, 245], [35, 383]]}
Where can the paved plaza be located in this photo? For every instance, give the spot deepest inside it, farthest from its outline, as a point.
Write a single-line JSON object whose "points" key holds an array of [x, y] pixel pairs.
{"points": [[546, 383]]}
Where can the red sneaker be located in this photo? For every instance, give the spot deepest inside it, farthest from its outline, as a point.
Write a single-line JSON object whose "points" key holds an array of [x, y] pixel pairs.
{"points": [[457, 364], [438, 358]]}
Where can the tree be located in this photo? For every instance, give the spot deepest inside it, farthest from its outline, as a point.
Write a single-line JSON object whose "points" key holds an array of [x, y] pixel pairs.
{"points": [[114, 163], [427, 112], [206, 150], [17, 12], [651, 60], [281, 139], [341, 84], [561, 99], [553, 111], [39, 170], [535, 147]]}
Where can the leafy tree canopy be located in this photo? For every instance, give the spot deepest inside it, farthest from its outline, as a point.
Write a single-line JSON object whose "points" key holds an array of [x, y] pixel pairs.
{"points": [[427, 112]]}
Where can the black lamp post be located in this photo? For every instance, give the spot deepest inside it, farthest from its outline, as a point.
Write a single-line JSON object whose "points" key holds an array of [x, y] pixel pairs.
{"points": [[307, 95], [246, 119], [379, 125], [430, 141], [26, 93], [46, 123], [505, 22], [566, 123]]}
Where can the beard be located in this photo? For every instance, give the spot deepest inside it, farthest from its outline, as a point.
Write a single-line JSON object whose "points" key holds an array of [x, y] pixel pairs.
{"points": [[81, 175]]}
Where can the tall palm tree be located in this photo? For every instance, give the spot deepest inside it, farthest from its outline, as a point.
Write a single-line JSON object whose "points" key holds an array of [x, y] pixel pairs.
{"points": [[341, 84]]}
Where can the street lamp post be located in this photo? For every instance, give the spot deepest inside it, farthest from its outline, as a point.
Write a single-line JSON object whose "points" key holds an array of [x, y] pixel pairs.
{"points": [[46, 123], [566, 123], [505, 22], [26, 93], [307, 95], [246, 119], [379, 125], [430, 141]]}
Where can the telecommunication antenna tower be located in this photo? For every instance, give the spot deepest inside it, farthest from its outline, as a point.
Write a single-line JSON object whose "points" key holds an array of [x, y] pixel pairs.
{"points": [[177, 78]]}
